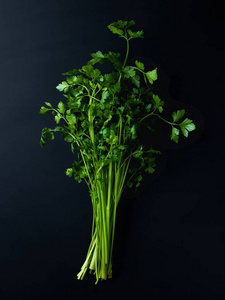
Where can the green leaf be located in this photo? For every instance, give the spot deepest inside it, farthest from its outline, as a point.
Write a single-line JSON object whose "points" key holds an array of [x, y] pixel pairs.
{"points": [[134, 131], [130, 23], [98, 55], [152, 75], [178, 115], [100, 147], [62, 86], [186, 126], [72, 79], [122, 147], [112, 58], [59, 129], [116, 30], [175, 134], [123, 24], [72, 72], [106, 133], [136, 80], [96, 58], [96, 73], [114, 158], [44, 110], [138, 179], [130, 184], [121, 109], [116, 87], [85, 124], [105, 95], [88, 69], [190, 127], [140, 65], [67, 137], [184, 131], [158, 103], [61, 107], [42, 142], [115, 155], [137, 34], [148, 107], [69, 172], [135, 91], [48, 104], [150, 169], [119, 24], [137, 153], [113, 139], [71, 119], [58, 118], [160, 108], [46, 134], [128, 72]]}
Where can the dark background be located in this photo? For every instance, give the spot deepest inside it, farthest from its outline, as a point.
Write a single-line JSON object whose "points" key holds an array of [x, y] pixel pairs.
{"points": [[170, 238]]}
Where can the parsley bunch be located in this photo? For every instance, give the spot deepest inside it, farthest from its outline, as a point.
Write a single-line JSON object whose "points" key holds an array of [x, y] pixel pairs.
{"points": [[101, 119]]}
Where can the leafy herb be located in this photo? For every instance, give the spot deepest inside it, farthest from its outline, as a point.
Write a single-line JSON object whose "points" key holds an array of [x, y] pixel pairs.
{"points": [[101, 120]]}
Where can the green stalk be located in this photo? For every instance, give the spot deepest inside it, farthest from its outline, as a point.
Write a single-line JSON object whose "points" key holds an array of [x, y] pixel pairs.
{"points": [[113, 230], [108, 215], [99, 256], [85, 266], [127, 53], [110, 179], [103, 203]]}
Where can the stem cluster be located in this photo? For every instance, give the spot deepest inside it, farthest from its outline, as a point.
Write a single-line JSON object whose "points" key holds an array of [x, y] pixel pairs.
{"points": [[105, 197]]}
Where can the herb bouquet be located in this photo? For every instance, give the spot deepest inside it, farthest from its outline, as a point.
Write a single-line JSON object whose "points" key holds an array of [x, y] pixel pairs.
{"points": [[101, 120]]}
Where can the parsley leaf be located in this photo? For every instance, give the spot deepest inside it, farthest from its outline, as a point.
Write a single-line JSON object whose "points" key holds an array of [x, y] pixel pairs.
{"points": [[175, 134], [187, 126], [140, 65], [116, 30], [151, 75], [62, 86], [178, 115]]}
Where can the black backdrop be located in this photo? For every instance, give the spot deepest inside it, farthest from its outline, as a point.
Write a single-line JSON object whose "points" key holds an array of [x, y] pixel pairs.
{"points": [[170, 238]]}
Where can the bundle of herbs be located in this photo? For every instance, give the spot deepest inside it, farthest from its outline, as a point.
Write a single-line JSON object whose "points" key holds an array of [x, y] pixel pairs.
{"points": [[101, 120]]}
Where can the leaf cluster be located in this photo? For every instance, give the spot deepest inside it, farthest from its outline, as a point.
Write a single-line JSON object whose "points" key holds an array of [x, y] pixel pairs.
{"points": [[122, 28], [104, 113]]}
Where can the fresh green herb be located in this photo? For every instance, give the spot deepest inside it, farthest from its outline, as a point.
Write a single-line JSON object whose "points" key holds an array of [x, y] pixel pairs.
{"points": [[101, 120]]}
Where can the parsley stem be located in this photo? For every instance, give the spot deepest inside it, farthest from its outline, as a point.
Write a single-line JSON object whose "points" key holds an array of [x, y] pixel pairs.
{"points": [[171, 123], [153, 114], [127, 53]]}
